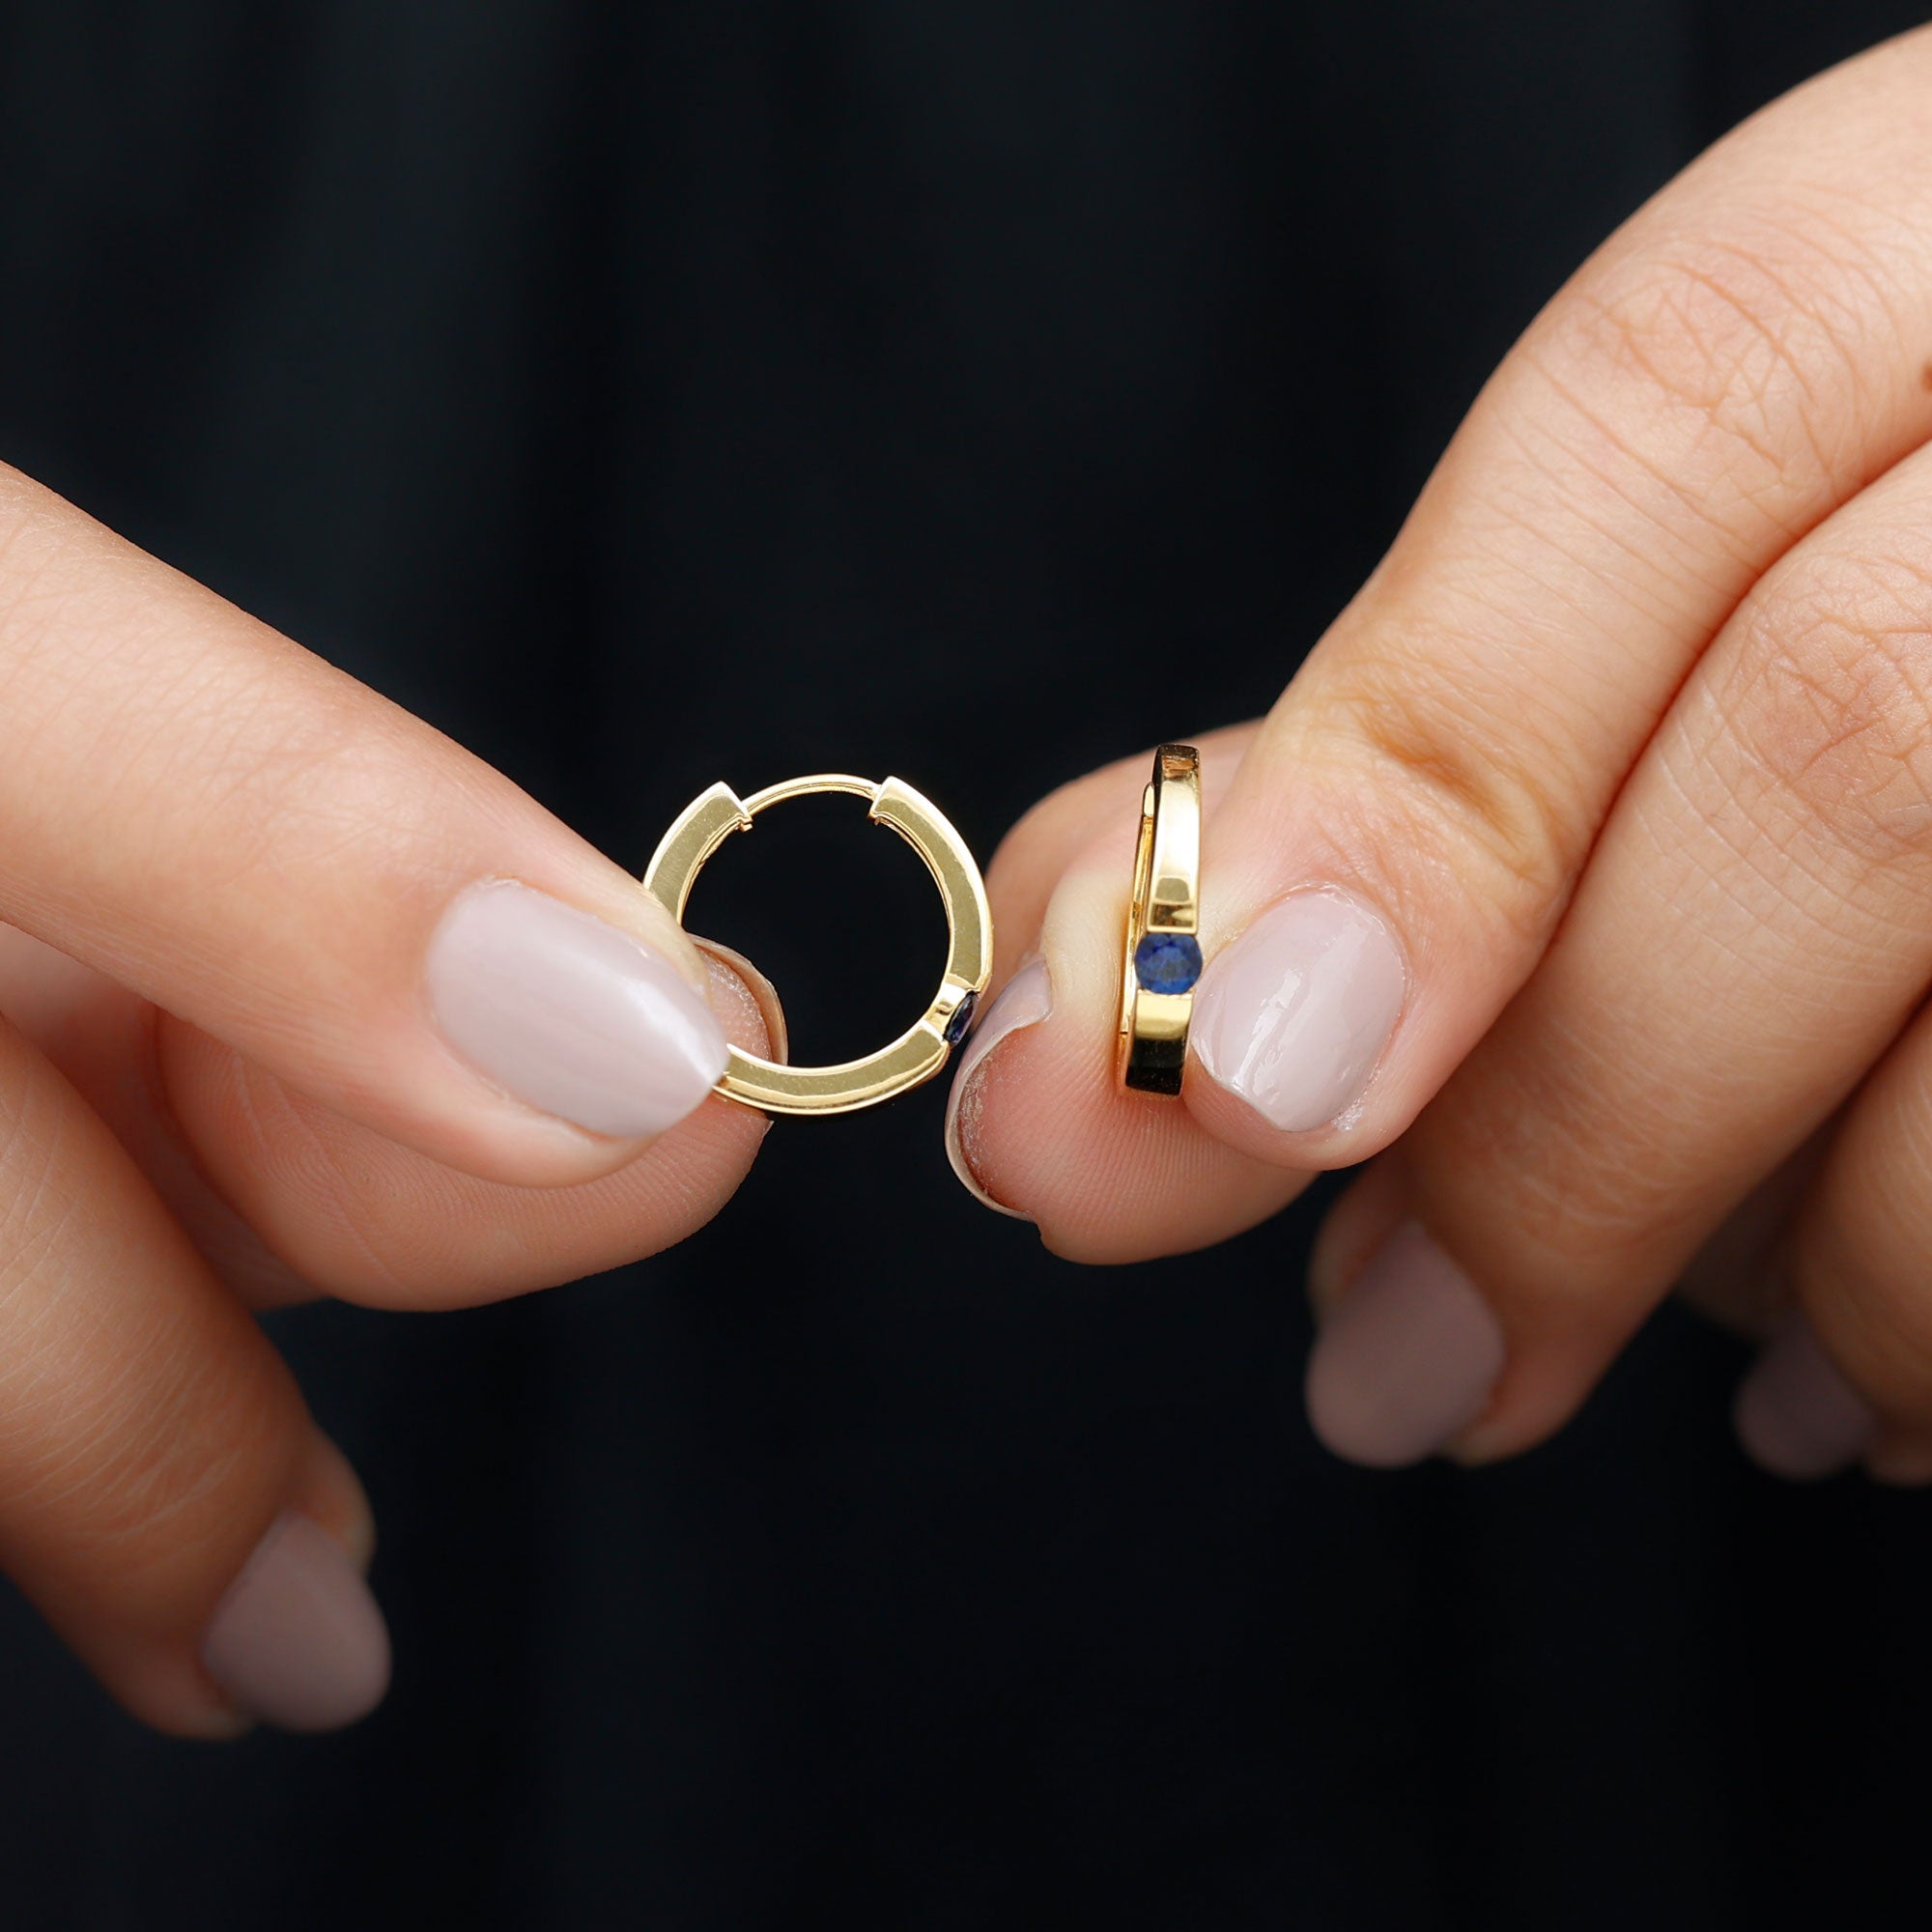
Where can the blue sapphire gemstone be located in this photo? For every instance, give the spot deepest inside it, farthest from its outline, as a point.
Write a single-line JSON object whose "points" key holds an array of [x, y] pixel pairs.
{"points": [[962, 1018], [1167, 963]]}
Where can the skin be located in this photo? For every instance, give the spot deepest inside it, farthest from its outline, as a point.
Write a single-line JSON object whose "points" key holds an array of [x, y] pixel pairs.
{"points": [[1628, 741]]}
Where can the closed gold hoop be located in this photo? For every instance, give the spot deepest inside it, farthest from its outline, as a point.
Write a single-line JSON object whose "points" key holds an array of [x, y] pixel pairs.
{"points": [[923, 1048]]}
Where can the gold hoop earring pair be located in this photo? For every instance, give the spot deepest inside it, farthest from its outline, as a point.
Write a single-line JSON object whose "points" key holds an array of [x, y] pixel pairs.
{"points": [[1162, 954]]}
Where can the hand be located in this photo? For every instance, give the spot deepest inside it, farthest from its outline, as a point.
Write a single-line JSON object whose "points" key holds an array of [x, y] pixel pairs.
{"points": [[298, 997], [1583, 872]]}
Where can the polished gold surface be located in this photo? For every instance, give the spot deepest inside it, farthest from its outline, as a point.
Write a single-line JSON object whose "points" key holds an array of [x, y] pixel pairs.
{"points": [[1153, 1046], [922, 1049]]}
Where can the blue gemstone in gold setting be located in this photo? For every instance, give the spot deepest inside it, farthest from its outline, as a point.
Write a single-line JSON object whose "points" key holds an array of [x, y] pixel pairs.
{"points": [[1167, 963], [962, 1018]]}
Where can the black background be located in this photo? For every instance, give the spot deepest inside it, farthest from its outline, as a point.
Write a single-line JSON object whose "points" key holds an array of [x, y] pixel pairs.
{"points": [[655, 394]]}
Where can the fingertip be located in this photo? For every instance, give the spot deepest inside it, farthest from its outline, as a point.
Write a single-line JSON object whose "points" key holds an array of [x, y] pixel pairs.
{"points": [[296, 1638], [747, 1003], [1408, 1359], [297, 1641], [1040, 1124], [1796, 1414], [1024, 1001]]}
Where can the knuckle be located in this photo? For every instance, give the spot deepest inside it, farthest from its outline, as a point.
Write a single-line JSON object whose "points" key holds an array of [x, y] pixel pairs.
{"points": [[1740, 353], [1829, 705], [1470, 772]]}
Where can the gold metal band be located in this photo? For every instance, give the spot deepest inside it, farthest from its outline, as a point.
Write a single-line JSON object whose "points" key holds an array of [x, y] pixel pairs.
{"points": [[922, 1049], [1163, 954]]}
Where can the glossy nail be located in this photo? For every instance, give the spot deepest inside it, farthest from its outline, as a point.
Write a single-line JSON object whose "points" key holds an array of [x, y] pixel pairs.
{"points": [[1024, 1001], [297, 1641], [1796, 1414], [1405, 1359], [570, 1014], [1294, 1013]]}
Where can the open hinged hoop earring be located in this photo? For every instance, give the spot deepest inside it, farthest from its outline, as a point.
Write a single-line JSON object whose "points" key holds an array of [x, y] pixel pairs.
{"points": [[922, 1049], [1163, 954]]}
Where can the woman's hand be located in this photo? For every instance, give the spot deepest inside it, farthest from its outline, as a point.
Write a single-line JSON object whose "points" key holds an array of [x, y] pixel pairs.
{"points": [[1586, 864], [298, 997]]}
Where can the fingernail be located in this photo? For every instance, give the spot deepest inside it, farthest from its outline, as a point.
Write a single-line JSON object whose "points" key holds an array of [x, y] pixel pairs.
{"points": [[569, 1015], [1294, 1015], [1795, 1413], [1024, 1001], [297, 1641], [1405, 1359]]}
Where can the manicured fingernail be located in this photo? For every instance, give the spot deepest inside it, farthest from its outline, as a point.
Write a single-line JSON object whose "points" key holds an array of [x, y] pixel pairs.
{"points": [[1024, 1001], [1795, 1413], [569, 1015], [1405, 1359], [297, 1641], [1294, 1013]]}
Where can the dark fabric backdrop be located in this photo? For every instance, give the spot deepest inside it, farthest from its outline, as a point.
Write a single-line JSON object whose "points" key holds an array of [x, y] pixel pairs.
{"points": [[655, 394]]}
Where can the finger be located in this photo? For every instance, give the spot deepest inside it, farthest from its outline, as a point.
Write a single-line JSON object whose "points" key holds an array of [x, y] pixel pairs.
{"points": [[255, 843], [1795, 1414], [1857, 1263], [1406, 829], [1747, 944], [1738, 1277], [164, 1498], [286, 1199]]}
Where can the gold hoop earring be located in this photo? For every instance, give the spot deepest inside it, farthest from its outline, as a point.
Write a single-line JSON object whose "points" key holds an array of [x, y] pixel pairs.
{"points": [[923, 1048], [1162, 954]]}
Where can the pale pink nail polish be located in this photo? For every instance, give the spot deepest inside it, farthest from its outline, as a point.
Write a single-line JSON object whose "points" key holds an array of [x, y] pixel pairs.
{"points": [[1294, 1013], [569, 1015], [1796, 1414], [1405, 1359], [297, 1641], [1024, 1001]]}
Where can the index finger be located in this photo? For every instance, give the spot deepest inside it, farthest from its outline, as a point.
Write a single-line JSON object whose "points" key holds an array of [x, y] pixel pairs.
{"points": [[253, 840]]}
